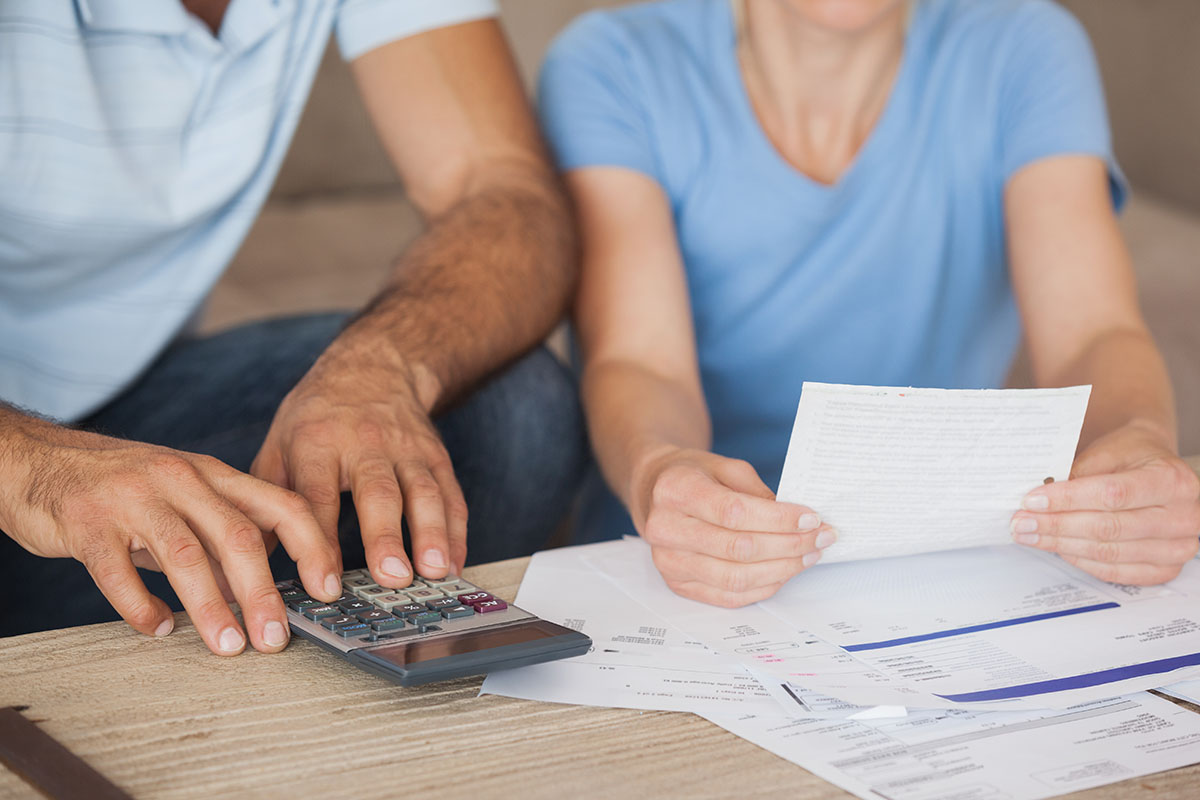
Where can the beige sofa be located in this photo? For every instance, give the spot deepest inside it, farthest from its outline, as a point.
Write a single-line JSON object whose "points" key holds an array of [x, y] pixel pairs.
{"points": [[338, 216]]}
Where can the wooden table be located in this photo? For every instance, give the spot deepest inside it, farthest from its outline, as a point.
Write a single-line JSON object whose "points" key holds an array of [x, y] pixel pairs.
{"points": [[163, 718]]}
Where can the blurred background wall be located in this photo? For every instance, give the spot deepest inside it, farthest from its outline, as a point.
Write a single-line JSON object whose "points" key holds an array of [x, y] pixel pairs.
{"points": [[338, 216]]}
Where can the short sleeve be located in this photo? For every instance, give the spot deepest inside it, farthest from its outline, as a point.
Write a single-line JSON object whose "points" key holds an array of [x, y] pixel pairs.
{"points": [[1052, 99], [591, 107], [363, 25]]}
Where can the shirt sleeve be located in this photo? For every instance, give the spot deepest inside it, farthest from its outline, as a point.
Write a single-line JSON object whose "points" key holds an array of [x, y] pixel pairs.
{"points": [[1052, 100], [591, 107], [363, 25]]}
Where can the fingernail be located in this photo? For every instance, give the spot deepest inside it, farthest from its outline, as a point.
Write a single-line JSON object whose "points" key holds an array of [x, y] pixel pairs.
{"points": [[274, 634], [812, 558], [808, 521], [434, 558], [1026, 538], [1024, 525], [333, 586], [1036, 502], [826, 538], [165, 627], [395, 567], [231, 640]]}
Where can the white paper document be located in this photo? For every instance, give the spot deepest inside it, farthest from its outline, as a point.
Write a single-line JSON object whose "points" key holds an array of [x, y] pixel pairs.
{"points": [[957, 755], [637, 660], [1188, 690], [901, 470], [984, 628]]}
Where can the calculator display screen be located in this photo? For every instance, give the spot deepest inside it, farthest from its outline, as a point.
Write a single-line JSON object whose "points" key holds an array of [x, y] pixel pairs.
{"points": [[403, 653]]}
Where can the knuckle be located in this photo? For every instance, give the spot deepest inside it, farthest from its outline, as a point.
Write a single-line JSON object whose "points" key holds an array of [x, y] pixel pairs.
{"points": [[140, 615], [263, 596], [733, 580], [739, 547], [456, 508], [1113, 495], [1186, 483], [731, 511], [423, 487], [173, 466], [184, 551], [294, 505], [243, 538], [666, 489], [379, 488], [1106, 553], [211, 608], [1109, 528]]}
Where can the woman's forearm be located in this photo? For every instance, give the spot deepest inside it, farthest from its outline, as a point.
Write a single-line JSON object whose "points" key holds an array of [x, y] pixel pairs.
{"points": [[1129, 385], [634, 417]]}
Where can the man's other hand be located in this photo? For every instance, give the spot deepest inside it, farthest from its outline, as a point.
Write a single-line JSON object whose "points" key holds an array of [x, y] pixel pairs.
{"points": [[114, 505]]}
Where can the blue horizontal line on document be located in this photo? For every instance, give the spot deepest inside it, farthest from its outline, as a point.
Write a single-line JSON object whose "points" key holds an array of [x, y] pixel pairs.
{"points": [[987, 626], [1079, 681]]}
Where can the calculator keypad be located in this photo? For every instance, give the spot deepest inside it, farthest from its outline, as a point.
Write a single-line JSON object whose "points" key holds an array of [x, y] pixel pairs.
{"points": [[369, 612]]}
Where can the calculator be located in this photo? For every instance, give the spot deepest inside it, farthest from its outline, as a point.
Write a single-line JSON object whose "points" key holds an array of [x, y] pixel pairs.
{"points": [[433, 630]]}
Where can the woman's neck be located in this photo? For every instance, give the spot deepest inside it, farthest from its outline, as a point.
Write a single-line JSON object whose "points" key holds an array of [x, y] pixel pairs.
{"points": [[818, 92]]}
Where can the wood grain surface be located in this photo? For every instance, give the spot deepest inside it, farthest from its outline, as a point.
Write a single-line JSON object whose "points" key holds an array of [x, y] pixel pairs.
{"points": [[163, 718]]}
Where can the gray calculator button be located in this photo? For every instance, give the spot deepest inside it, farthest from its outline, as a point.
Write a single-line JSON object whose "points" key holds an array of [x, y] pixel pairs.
{"points": [[333, 623], [355, 584], [457, 587], [351, 631], [389, 601], [302, 602], [372, 615], [455, 612], [421, 595], [322, 612], [425, 618], [355, 606], [435, 582], [438, 603], [408, 609], [356, 573], [389, 624], [370, 593]]}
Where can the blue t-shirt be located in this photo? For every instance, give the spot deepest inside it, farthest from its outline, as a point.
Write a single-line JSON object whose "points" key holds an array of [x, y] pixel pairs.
{"points": [[895, 275]]}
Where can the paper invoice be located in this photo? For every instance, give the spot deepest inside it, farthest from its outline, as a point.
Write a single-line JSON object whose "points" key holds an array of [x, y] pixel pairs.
{"points": [[901, 470]]}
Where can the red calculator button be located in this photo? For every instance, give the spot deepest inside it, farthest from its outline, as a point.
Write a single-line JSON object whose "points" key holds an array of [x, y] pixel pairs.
{"points": [[471, 598], [490, 605]]}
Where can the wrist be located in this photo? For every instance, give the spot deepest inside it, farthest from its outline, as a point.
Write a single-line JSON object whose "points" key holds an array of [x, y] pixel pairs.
{"points": [[364, 349], [646, 465]]}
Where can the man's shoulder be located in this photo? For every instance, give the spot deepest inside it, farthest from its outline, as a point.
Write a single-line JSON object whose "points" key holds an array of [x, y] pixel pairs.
{"points": [[656, 32]]}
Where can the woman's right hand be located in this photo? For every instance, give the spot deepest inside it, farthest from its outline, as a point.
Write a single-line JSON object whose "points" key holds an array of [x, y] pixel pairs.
{"points": [[716, 532]]}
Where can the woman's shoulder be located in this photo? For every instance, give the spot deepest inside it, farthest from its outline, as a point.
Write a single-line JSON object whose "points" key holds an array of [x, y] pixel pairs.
{"points": [[647, 31], [992, 24]]}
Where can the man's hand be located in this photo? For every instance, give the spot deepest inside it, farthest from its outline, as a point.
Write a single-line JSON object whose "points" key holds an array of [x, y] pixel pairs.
{"points": [[113, 504], [1129, 514], [357, 422], [718, 535]]}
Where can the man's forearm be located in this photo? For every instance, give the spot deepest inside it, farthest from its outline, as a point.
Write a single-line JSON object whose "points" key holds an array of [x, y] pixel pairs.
{"points": [[487, 280]]}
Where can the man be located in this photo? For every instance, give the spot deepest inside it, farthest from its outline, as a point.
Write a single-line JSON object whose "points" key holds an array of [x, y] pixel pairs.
{"points": [[137, 143]]}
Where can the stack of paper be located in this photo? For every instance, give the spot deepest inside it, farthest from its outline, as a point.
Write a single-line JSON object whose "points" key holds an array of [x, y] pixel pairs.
{"points": [[962, 666]]}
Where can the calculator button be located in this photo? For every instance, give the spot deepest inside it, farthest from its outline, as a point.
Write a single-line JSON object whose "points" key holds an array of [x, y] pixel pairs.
{"points": [[283, 586], [494, 604], [408, 609], [455, 612], [389, 624], [294, 594], [422, 595], [354, 584], [435, 582], [424, 618], [356, 573], [457, 587], [371, 592], [355, 606], [372, 615], [341, 621], [321, 612], [350, 631], [389, 601], [437, 604], [299, 604], [471, 598]]}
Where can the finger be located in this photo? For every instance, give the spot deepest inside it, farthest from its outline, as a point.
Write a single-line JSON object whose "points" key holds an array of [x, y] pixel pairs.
{"points": [[1161, 552], [236, 543], [1151, 485], [378, 501], [718, 597], [425, 509], [185, 562], [1155, 522], [684, 565], [287, 515], [268, 464], [109, 563], [1133, 574], [456, 515], [702, 497], [741, 476], [678, 532], [316, 477]]}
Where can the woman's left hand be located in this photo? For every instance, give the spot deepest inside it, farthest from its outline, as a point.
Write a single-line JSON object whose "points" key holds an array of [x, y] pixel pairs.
{"points": [[1129, 514]]}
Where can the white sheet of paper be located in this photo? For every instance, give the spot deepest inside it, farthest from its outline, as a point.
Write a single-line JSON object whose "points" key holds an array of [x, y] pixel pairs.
{"points": [[982, 628], [901, 470], [638, 660], [940, 755]]}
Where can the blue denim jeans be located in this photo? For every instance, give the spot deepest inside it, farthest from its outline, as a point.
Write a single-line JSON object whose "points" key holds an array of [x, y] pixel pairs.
{"points": [[517, 445]]}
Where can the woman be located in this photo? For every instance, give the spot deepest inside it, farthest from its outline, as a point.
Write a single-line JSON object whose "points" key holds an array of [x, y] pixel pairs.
{"points": [[850, 191]]}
